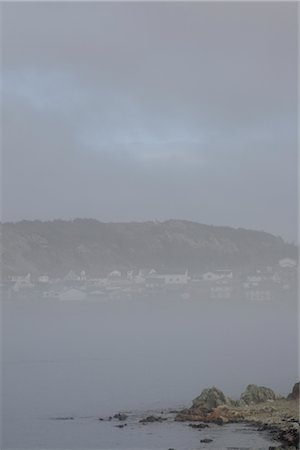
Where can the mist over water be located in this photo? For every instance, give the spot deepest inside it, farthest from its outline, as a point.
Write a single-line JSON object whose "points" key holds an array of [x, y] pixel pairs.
{"points": [[95, 358], [147, 147]]}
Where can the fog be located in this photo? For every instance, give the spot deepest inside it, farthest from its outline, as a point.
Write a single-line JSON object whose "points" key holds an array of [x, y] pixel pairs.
{"points": [[136, 112], [140, 111], [91, 359]]}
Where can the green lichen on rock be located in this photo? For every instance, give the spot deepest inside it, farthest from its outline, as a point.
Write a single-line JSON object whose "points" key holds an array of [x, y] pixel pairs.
{"points": [[257, 394], [211, 398]]}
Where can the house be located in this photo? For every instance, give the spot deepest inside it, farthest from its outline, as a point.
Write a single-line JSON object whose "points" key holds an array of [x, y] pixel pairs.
{"points": [[23, 283], [50, 294], [155, 282], [287, 263], [82, 275], [177, 279], [71, 276], [114, 274], [43, 279], [174, 279], [218, 275], [258, 294], [221, 291]]}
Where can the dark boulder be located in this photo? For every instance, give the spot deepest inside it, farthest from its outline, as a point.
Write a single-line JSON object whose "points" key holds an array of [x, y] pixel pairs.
{"points": [[152, 419], [198, 426], [122, 426], [294, 395], [63, 418], [120, 416]]}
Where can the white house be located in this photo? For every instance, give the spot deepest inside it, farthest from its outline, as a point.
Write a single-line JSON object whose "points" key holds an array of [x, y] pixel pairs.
{"points": [[218, 275], [23, 283], [43, 279], [71, 276], [51, 294], [114, 274], [170, 279], [82, 275], [177, 278], [287, 263], [221, 291]]}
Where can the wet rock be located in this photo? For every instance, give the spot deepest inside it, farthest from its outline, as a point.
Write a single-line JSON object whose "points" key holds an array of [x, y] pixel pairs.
{"points": [[198, 426], [121, 426], [120, 416], [63, 418], [152, 419], [219, 421], [190, 415], [257, 394], [294, 395], [206, 440], [210, 398]]}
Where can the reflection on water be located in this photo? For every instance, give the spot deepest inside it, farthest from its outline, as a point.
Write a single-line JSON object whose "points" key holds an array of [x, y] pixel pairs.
{"points": [[87, 359]]}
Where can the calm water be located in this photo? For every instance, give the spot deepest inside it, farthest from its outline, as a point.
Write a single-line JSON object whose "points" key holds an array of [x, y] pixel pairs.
{"points": [[91, 359]]}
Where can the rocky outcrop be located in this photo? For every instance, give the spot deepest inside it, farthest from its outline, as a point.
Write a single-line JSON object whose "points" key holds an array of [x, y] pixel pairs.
{"points": [[152, 419], [294, 395], [210, 398], [121, 416], [220, 415], [259, 406], [257, 394]]}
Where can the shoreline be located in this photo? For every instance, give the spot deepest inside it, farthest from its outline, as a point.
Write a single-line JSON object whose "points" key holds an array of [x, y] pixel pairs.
{"points": [[264, 410]]}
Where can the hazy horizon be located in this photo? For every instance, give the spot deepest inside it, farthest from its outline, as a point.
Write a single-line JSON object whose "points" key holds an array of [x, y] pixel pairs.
{"points": [[296, 242]]}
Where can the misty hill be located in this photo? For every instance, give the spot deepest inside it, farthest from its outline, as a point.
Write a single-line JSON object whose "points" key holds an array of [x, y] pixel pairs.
{"points": [[58, 246]]}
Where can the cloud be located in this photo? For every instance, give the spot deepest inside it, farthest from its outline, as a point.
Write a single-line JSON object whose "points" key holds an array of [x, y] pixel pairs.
{"points": [[139, 110]]}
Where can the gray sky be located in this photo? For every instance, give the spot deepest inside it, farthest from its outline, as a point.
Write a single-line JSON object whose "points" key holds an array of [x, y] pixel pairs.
{"points": [[138, 111]]}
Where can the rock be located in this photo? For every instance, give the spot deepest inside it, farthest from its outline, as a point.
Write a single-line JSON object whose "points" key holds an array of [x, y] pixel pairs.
{"points": [[210, 398], [198, 426], [191, 415], [257, 394], [63, 418], [122, 426], [206, 440], [294, 395], [120, 416], [219, 421], [152, 419]]}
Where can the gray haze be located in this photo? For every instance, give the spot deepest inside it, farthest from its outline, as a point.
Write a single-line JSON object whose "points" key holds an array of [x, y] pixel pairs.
{"points": [[91, 359], [140, 111]]}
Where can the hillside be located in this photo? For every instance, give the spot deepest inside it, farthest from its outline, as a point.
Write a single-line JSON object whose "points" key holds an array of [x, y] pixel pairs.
{"points": [[58, 246]]}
